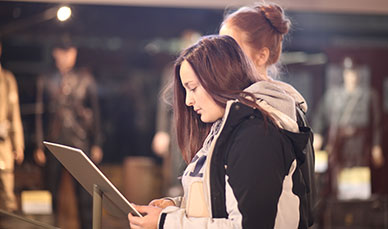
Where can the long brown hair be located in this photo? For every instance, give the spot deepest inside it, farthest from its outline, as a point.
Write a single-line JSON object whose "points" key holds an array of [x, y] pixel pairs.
{"points": [[224, 72], [262, 25]]}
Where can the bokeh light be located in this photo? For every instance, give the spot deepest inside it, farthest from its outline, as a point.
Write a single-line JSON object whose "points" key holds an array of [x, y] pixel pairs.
{"points": [[64, 13]]}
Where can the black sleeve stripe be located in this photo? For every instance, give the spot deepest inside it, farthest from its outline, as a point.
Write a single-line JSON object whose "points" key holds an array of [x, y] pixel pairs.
{"points": [[162, 219]]}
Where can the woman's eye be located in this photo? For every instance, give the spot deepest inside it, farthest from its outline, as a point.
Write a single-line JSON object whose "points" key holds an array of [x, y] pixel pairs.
{"points": [[193, 89]]}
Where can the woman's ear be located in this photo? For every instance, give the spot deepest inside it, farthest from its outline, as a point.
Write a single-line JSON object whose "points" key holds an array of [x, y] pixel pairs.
{"points": [[261, 57]]}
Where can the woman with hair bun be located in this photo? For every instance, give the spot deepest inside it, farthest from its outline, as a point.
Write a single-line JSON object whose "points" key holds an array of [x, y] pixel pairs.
{"points": [[241, 143], [260, 31]]}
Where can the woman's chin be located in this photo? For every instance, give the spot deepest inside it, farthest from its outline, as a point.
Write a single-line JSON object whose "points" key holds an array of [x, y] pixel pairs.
{"points": [[204, 119], [207, 119]]}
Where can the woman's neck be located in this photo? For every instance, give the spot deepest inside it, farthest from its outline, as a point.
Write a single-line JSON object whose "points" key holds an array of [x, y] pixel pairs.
{"points": [[263, 72]]}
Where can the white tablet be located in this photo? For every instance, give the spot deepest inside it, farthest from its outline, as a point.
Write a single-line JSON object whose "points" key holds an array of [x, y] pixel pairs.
{"points": [[87, 174]]}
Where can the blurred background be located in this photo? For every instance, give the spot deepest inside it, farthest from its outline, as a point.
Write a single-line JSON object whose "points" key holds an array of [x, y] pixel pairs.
{"points": [[127, 45]]}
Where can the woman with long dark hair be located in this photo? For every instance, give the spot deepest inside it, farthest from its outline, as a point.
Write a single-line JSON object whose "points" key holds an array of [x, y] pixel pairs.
{"points": [[241, 141]]}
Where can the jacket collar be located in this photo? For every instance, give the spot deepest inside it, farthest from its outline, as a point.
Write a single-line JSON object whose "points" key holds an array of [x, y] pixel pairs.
{"points": [[236, 112]]}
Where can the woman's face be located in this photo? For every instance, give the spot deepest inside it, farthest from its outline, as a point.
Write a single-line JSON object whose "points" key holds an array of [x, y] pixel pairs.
{"points": [[197, 97]]}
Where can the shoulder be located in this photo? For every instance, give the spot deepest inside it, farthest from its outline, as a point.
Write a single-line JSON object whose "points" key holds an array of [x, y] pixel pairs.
{"points": [[48, 75], [48, 80], [254, 137], [258, 135], [84, 73], [254, 127], [257, 147], [10, 79], [249, 144], [246, 123], [85, 76]]}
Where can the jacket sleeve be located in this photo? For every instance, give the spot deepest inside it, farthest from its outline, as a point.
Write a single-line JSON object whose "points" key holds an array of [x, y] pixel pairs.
{"points": [[177, 200], [175, 217], [256, 170], [39, 109], [376, 118], [94, 105]]}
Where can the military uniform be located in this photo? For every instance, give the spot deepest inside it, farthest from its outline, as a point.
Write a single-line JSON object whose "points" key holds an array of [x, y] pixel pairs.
{"points": [[11, 137], [69, 109]]}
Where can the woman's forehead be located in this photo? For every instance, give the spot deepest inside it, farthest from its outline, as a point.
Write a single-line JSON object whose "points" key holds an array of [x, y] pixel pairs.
{"points": [[187, 73]]}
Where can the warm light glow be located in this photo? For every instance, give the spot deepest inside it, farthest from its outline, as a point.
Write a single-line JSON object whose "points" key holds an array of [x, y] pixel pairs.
{"points": [[64, 13]]}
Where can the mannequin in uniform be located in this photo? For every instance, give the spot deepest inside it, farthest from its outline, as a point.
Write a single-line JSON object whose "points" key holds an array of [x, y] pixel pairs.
{"points": [[351, 117], [11, 138]]}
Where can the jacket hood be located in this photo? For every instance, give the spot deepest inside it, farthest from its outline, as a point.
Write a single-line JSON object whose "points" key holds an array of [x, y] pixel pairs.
{"points": [[290, 90], [279, 99]]}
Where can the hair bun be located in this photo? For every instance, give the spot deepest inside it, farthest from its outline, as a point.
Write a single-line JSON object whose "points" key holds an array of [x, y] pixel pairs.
{"points": [[275, 16]]}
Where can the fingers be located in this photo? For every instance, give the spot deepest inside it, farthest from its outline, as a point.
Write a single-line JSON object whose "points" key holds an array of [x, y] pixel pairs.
{"points": [[162, 203], [141, 208], [134, 221], [165, 203], [150, 220], [155, 202]]}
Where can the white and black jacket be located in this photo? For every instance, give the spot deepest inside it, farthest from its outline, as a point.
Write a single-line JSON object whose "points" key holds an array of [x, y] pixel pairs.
{"points": [[247, 178]]}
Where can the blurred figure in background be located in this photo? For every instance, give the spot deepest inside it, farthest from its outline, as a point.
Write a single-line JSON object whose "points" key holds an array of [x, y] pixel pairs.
{"points": [[11, 137], [68, 113], [350, 116]]}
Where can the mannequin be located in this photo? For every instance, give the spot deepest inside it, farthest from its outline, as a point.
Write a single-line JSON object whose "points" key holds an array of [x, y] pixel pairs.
{"points": [[351, 116]]}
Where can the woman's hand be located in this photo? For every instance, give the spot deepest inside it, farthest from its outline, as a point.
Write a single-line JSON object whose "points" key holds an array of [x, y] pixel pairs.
{"points": [[150, 219], [161, 203]]}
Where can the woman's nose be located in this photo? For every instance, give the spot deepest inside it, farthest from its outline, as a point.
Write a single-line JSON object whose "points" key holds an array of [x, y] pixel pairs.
{"points": [[189, 100]]}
